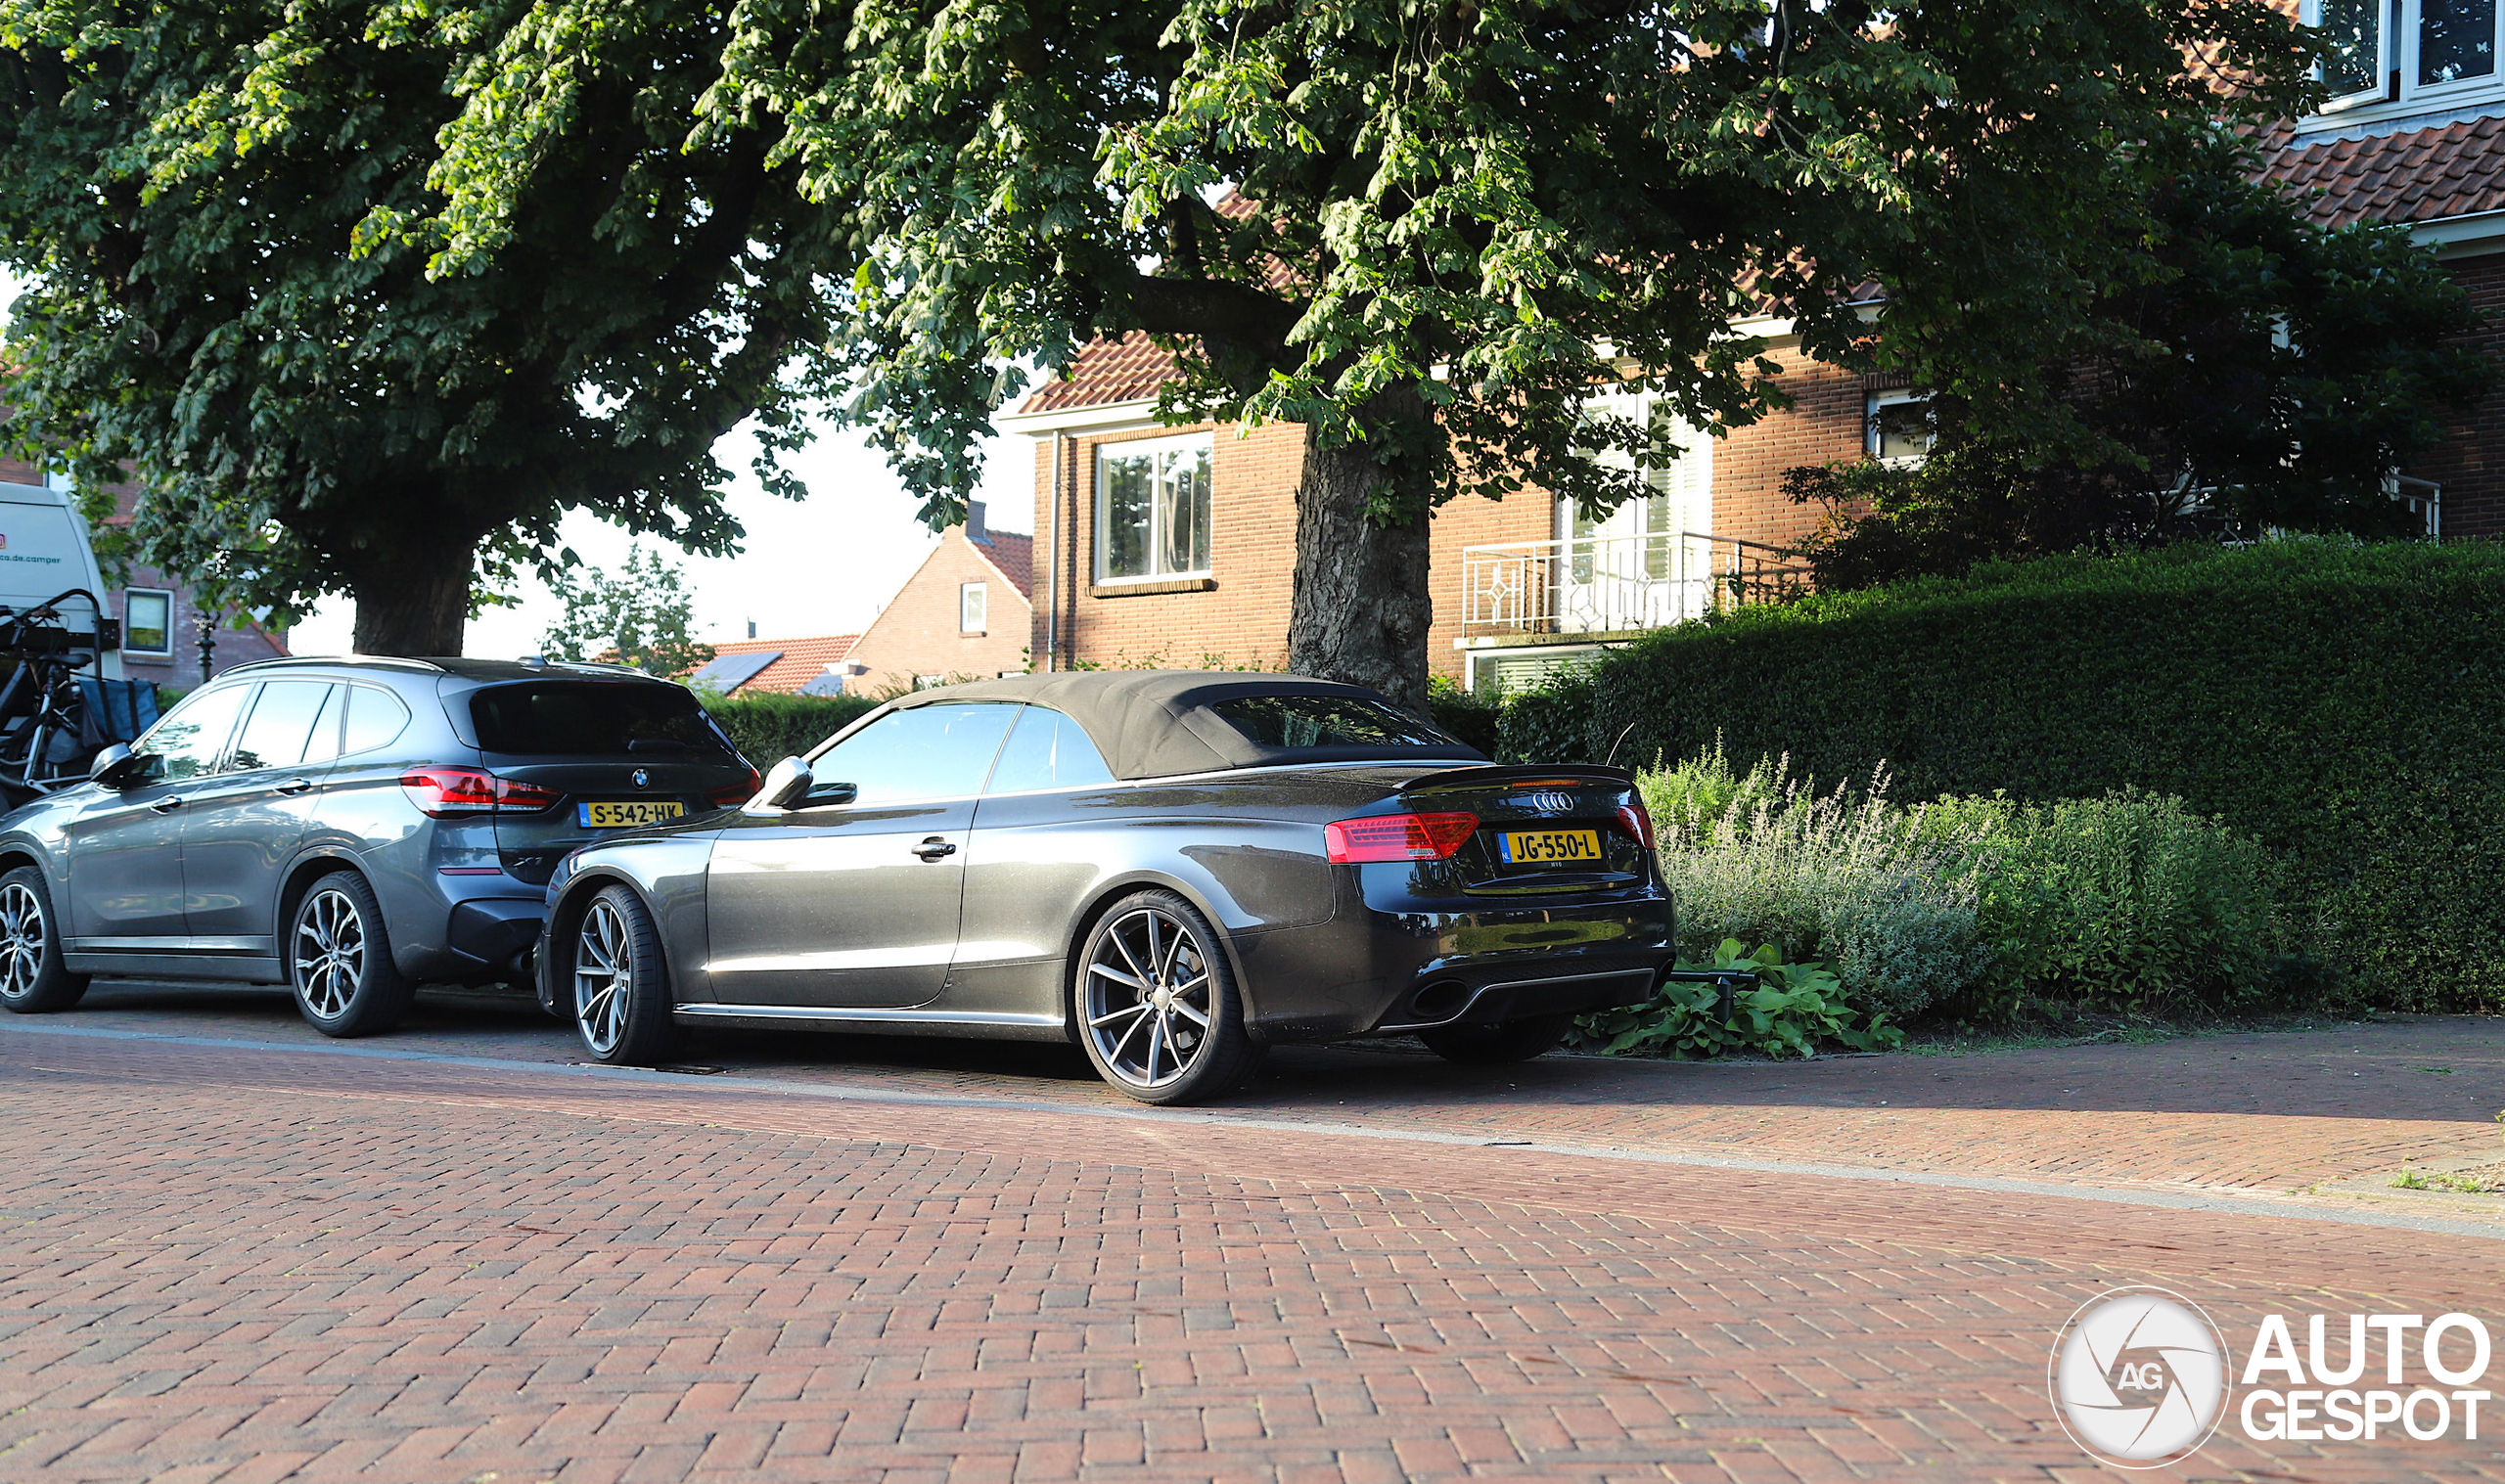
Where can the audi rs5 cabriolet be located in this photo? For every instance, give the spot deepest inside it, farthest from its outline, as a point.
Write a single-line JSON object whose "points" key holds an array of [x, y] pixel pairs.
{"points": [[1174, 870]]}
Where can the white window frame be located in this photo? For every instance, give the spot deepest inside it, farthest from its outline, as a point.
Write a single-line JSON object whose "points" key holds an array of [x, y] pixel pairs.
{"points": [[1131, 448], [1895, 397], [973, 607], [2397, 57], [127, 594]]}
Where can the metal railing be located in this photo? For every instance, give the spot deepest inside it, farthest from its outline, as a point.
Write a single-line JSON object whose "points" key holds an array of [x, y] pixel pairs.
{"points": [[1612, 584]]}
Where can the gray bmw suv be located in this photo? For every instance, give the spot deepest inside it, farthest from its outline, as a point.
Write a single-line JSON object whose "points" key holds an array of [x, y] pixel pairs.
{"points": [[346, 826]]}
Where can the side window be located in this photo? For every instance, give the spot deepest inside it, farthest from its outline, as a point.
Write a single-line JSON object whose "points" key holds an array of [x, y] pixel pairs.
{"points": [[281, 724], [941, 751], [323, 743], [376, 719], [1047, 750], [186, 744]]}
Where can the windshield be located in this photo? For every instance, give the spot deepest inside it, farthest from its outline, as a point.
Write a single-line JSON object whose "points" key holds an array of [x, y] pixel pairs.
{"points": [[1328, 721], [573, 718]]}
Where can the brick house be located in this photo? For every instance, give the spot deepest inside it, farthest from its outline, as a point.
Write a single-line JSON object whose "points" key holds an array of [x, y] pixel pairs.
{"points": [[964, 612], [1176, 545], [160, 617]]}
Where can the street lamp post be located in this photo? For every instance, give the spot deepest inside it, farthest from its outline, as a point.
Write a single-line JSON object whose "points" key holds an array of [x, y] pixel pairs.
{"points": [[207, 623]]}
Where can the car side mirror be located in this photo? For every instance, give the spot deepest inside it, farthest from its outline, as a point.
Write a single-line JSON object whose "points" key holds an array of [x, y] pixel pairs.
{"points": [[786, 784], [113, 766]]}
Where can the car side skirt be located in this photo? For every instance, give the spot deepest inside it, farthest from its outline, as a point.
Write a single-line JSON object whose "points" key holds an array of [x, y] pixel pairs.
{"points": [[245, 969], [990, 1025]]}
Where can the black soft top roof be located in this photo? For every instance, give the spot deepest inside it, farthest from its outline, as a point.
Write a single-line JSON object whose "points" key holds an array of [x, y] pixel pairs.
{"points": [[1157, 723]]}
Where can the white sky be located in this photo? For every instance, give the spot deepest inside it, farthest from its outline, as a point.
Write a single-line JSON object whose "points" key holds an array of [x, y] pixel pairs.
{"points": [[821, 565]]}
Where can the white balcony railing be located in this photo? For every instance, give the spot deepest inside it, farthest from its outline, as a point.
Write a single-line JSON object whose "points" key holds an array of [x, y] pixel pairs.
{"points": [[1612, 584]]}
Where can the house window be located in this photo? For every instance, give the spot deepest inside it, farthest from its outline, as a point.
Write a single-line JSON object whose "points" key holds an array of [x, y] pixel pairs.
{"points": [[147, 621], [927, 682], [1900, 428], [2418, 52], [1153, 509], [973, 604]]}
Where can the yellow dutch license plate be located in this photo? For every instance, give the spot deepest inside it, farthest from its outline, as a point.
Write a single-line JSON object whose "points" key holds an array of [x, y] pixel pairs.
{"points": [[1547, 847], [619, 814]]}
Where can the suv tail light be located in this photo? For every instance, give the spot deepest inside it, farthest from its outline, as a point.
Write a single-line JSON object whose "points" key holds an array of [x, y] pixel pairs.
{"points": [[444, 793], [1632, 818], [736, 794], [1397, 838]]}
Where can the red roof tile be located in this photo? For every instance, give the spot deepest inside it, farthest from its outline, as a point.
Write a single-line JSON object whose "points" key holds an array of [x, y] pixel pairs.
{"points": [[1013, 554], [2422, 175], [1129, 368], [803, 659]]}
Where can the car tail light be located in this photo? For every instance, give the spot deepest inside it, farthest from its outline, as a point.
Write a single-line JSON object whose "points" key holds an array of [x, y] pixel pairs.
{"points": [[736, 794], [444, 793], [1397, 838], [1638, 825]]}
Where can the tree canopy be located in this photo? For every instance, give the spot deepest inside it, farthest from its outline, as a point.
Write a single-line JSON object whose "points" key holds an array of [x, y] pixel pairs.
{"points": [[227, 218], [1426, 231]]}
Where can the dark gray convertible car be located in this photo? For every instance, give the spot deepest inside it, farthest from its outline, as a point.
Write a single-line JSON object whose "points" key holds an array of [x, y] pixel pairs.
{"points": [[1174, 870]]}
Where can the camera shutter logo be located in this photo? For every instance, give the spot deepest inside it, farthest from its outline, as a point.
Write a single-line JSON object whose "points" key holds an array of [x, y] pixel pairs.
{"points": [[2139, 1377]]}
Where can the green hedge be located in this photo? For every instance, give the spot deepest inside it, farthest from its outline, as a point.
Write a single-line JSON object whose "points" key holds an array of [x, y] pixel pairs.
{"points": [[2340, 703], [770, 727]]}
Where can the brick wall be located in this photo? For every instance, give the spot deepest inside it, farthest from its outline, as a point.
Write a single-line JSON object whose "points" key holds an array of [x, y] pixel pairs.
{"points": [[2471, 466], [1242, 620], [917, 633]]}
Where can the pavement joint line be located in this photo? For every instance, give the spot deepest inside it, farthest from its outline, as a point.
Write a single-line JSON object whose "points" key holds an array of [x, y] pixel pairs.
{"points": [[2179, 1200]]}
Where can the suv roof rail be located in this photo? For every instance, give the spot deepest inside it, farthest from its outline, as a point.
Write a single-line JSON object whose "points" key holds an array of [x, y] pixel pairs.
{"points": [[426, 665]]}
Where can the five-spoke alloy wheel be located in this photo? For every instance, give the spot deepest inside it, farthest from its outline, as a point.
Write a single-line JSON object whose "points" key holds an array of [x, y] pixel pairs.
{"points": [[338, 960], [32, 978], [621, 986], [1157, 1005]]}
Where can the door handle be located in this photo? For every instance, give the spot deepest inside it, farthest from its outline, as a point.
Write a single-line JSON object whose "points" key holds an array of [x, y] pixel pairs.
{"points": [[296, 786], [933, 848], [166, 805]]}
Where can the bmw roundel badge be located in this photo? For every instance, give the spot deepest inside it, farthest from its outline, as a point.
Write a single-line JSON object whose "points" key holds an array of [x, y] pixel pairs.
{"points": [[643, 778]]}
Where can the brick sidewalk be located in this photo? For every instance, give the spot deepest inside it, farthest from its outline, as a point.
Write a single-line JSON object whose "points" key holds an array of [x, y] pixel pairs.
{"points": [[228, 1264], [2256, 1115]]}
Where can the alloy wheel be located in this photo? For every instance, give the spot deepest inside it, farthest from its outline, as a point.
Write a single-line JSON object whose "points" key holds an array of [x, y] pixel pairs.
{"points": [[604, 978], [22, 940], [1148, 998], [330, 952]]}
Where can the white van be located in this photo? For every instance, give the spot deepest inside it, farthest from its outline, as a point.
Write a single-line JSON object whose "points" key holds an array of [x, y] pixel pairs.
{"points": [[44, 552]]}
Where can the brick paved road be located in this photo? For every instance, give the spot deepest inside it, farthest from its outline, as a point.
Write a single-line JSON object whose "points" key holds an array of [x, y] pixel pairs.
{"points": [[224, 1263]]}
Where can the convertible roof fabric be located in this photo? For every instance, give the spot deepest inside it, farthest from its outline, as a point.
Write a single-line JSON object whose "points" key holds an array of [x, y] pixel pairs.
{"points": [[1157, 723]]}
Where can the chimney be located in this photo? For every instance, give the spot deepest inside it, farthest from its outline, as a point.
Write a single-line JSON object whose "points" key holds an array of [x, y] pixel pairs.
{"points": [[752, 628], [974, 522]]}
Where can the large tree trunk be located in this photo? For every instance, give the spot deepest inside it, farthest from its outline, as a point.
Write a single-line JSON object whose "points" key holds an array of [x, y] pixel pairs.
{"points": [[414, 597], [1361, 606]]}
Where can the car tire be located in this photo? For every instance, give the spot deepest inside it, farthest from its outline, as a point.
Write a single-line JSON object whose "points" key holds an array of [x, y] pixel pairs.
{"points": [[1156, 1003], [31, 979], [1496, 1045], [338, 960], [618, 983]]}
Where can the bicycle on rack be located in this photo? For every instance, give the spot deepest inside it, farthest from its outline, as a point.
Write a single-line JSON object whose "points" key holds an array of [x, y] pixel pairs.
{"points": [[47, 738]]}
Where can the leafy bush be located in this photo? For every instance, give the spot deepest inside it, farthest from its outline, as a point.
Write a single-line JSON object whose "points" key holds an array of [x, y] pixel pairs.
{"points": [[767, 727], [1795, 1009], [2338, 702], [1766, 858], [2125, 903]]}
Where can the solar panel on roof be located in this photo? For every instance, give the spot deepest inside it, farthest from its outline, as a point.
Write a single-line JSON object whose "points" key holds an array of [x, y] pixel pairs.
{"points": [[825, 683], [729, 672]]}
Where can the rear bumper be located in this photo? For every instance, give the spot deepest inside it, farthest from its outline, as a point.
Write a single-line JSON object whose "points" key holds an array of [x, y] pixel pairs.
{"points": [[1371, 973], [492, 939]]}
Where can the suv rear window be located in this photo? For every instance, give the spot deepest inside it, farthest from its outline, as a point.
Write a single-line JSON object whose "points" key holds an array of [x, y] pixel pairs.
{"points": [[574, 718], [1327, 721]]}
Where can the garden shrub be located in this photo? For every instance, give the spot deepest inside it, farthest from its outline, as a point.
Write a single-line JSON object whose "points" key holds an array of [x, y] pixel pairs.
{"points": [[1855, 881], [1794, 1010], [768, 726], [2338, 702]]}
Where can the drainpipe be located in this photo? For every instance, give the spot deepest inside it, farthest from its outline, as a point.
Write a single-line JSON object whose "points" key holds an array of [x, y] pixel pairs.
{"points": [[1052, 566]]}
